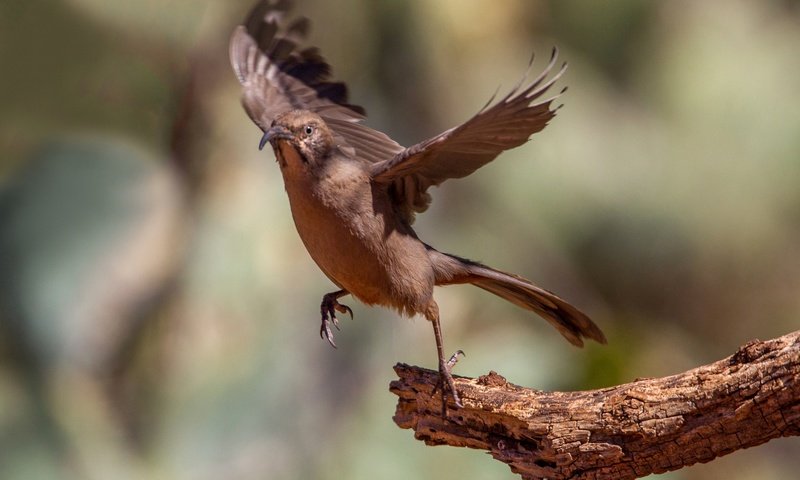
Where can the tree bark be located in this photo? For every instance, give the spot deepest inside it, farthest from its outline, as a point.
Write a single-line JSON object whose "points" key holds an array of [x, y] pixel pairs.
{"points": [[621, 432]]}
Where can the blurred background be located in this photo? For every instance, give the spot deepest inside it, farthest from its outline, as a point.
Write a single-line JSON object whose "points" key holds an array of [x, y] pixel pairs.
{"points": [[159, 315]]}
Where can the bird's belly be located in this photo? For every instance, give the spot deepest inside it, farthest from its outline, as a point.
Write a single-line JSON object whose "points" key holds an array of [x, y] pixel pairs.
{"points": [[340, 250], [352, 233], [355, 249]]}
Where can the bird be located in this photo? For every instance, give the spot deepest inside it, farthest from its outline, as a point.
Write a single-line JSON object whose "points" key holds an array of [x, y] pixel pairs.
{"points": [[354, 192]]}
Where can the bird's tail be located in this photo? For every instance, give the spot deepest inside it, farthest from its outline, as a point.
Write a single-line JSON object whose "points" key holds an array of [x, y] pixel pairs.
{"points": [[573, 324]]}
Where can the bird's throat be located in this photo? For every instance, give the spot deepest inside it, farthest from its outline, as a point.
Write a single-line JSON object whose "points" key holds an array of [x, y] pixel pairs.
{"points": [[291, 161]]}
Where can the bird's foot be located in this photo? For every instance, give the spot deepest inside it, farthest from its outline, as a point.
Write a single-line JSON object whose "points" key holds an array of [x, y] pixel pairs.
{"points": [[446, 382], [454, 359], [328, 309]]}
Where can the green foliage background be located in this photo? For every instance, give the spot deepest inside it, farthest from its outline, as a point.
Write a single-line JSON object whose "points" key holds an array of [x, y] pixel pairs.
{"points": [[159, 315]]}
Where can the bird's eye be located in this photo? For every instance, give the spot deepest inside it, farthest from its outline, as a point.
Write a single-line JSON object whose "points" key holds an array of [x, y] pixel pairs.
{"points": [[308, 129]]}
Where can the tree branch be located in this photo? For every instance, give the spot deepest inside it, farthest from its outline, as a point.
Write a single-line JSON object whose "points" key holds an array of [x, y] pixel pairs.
{"points": [[622, 432]]}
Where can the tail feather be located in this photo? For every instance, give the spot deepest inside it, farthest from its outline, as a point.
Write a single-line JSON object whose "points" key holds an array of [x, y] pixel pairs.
{"points": [[573, 324]]}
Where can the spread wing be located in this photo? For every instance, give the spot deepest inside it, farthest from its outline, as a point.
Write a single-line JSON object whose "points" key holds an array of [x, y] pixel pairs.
{"points": [[277, 76], [461, 150]]}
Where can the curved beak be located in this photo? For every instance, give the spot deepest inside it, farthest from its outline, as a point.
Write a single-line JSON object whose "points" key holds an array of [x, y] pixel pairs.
{"points": [[275, 132]]}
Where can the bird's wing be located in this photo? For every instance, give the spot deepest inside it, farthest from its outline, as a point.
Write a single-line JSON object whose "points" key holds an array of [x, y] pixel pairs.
{"points": [[277, 76], [461, 150]]}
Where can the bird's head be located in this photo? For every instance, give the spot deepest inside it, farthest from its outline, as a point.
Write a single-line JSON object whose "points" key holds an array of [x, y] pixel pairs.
{"points": [[304, 131]]}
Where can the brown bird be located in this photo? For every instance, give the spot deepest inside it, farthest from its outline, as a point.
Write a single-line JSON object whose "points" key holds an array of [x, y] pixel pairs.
{"points": [[354, 191]]}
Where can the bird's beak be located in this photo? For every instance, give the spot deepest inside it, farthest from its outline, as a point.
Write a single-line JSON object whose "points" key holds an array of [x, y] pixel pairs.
{"points": [[275, 132]]}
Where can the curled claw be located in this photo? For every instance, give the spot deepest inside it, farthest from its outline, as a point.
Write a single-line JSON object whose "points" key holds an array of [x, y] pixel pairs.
{"points": [[328, 309], [345, 309], [448, 386], [325, 332], [446, 382], [454, 359]]}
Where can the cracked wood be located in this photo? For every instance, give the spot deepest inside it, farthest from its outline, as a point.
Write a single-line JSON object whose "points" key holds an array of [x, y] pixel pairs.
{"points": [[621, 432]]}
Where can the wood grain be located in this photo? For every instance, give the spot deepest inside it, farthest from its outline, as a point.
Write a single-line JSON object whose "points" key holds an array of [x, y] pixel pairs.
{"points": [[621, 432]]}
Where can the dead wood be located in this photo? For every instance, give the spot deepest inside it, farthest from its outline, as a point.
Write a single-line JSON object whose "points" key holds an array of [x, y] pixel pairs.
{"points": [[622, 432]]}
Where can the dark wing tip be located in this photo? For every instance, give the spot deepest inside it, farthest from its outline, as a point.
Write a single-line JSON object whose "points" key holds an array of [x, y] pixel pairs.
{"points": [[300, 27], [576, 325], [279, 40]]}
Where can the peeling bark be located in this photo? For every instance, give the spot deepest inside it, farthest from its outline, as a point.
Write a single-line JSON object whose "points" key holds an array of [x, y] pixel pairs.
{"points": [[621, 432]]}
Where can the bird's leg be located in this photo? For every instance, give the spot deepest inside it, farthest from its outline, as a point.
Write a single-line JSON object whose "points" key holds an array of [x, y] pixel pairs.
{"points": [[446, 382], [328, 309]]}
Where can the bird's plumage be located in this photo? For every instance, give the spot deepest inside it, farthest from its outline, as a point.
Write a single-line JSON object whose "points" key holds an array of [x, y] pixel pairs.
{"points": [[354, 191], [278, 76], [463, 149]]}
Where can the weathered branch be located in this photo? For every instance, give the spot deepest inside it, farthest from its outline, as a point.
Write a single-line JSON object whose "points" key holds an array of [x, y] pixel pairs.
{"points": [[622, 432]]}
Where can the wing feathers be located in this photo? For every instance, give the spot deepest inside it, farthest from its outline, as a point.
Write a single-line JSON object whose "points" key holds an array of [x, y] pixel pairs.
{"points": [[370, 144], [496, 127], [277, 76], [268, 63]]}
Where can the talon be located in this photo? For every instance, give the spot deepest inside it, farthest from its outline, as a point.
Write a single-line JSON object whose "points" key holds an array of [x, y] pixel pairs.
{"points": [[454, 359], [325, 332], [328, 309], [448, 386], [343, 309], [446, 382]]}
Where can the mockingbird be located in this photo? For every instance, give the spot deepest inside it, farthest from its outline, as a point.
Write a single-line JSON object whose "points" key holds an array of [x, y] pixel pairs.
{"points": [[354, 191]]}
